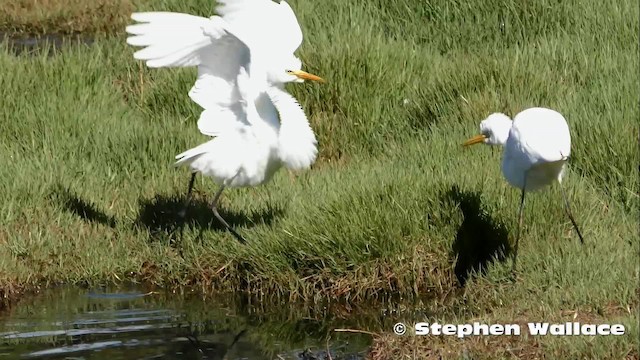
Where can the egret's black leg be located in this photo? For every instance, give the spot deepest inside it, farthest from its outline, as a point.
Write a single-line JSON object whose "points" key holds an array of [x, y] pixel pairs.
{"points": [[183, 212], [214, 207], [520, 216], [568, 210]]}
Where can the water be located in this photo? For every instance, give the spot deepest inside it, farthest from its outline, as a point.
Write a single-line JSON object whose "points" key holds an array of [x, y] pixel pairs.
{"points": [[73, 323]]}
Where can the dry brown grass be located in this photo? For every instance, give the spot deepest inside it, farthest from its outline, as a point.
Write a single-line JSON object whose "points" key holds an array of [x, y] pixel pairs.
{"points": [[63, 16], [390, 346]]}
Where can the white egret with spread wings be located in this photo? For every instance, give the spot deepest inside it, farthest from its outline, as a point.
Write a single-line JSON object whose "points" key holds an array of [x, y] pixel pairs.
{"points": [[244, 56]]}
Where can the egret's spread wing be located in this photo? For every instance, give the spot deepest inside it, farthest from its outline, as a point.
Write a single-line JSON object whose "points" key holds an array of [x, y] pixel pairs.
{"points": [[281, 30], [222, 63], [290, 31], [179, 40], [173, 39], [297, 144], [239, 115]]}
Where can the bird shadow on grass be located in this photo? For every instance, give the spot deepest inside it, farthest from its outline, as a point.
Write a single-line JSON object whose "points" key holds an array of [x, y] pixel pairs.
{"points": [[480, 239], [87, 211], [161, 216]]}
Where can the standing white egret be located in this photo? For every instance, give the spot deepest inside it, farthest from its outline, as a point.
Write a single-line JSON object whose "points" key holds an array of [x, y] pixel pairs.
{"points": [[244, 58], [537, 147]]}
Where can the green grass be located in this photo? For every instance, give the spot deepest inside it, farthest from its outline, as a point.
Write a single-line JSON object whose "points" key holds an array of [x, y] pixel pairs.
{"points": [[89, 195]]}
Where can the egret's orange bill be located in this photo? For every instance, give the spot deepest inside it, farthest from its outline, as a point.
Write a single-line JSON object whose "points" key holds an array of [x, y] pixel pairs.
{"points": [[306, 76], [475, 140]]}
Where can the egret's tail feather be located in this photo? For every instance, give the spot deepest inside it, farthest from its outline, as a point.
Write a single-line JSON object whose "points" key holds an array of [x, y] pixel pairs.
{"points": [[172, 39]]}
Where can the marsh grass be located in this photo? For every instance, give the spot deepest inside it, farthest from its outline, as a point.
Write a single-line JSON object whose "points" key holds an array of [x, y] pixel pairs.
{"points": [[394, 206], [38, 17]]}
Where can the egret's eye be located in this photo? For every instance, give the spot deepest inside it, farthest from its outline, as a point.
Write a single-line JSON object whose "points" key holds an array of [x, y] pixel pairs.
{"points": [[290, 72]]}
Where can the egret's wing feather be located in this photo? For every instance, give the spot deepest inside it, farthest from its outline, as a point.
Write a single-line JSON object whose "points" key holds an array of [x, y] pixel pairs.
{"points": [[237, 113], [179, 40], [190, 155], [543, 136], [297, 144], [291, 33], [221, 64], [245, 11], [218, 120], [173, 39], [283, 34], [539, 138]]}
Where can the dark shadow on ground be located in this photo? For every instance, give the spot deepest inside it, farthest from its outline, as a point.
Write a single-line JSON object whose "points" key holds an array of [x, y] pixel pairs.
{"points": [[160, 215], [480, 240], [82, 208]]}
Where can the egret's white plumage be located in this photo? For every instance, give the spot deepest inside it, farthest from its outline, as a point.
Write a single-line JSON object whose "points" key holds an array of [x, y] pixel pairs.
{"points": [[537, 141], [537, 146], [244, 55], [248, 155], [280, 24]]}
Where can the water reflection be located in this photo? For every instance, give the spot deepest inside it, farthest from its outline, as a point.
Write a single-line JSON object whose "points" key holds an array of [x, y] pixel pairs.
{"points": [[73, 323]]}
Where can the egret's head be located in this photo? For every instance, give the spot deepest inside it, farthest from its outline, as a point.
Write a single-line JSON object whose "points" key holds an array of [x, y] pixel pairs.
{"points": [[289, 70], [494, 130]]}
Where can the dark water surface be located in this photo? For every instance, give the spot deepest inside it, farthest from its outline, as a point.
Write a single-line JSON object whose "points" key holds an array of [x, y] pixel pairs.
{"points": [[30, 44], [74, 323]]}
